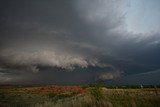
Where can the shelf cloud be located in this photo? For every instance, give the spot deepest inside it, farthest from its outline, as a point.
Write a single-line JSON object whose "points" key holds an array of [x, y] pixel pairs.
{"points": [[74, 35]]}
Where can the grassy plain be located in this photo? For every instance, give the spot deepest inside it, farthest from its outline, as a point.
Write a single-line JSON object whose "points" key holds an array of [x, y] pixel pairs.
{"points": [[77, 96]]}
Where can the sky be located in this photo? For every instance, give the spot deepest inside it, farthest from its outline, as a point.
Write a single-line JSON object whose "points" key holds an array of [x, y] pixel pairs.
{"points": [[145, 14], [79, 41]]}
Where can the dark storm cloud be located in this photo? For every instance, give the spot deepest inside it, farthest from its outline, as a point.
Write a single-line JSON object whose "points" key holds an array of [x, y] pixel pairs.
{"points": [[72, 35]]}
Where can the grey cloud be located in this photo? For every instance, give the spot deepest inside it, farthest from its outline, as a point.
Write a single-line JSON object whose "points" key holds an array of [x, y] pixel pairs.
{"points": [[150, 77], [4, 78], [30, 60], [50, 31], [111, 74], [72, 34]]}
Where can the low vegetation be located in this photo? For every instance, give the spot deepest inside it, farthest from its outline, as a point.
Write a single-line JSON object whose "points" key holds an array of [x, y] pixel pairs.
{"points": [[92, 95]]}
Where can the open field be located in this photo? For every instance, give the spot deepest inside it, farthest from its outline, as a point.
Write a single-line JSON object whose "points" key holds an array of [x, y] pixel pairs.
{"points": [[77, 96]]}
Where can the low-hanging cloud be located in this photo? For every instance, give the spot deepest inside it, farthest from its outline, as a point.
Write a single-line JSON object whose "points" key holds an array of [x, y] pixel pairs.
{"points": [[111, 74], [30, 60], [82, 34]]}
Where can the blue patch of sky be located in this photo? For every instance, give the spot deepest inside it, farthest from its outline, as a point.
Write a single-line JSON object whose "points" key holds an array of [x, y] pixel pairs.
{"points": [[143, 16]]}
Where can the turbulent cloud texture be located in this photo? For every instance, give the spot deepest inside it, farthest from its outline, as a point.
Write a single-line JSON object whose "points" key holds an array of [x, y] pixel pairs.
{"points": [[72, 35], [30, 60]]}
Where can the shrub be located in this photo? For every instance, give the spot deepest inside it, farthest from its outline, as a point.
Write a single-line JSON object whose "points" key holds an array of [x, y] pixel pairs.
{"points": [[51, 95], [96, 93]]}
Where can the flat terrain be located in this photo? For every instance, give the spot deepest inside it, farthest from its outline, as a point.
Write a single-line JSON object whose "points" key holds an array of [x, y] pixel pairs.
{"points": [[77, 96]]}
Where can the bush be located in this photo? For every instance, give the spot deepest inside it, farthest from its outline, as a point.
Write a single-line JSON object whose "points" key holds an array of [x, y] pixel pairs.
{"points": [[96, 93], [51, 95]]}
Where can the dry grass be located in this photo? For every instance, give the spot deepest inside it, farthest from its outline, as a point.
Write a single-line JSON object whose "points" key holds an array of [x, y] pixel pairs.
{"points": [[76, 96]]}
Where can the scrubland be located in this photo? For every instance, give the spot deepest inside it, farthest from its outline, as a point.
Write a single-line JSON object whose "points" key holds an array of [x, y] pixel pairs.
{"points": [[78, 96]]}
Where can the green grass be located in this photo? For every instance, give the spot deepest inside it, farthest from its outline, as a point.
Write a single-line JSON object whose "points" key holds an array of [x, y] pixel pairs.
{"points": [[96, 93]]}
